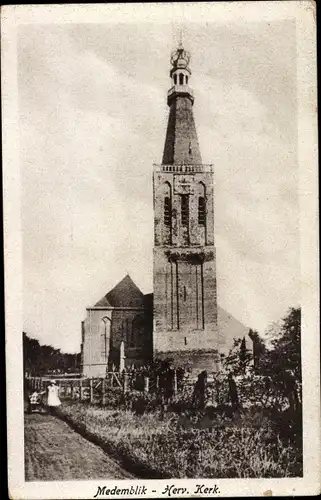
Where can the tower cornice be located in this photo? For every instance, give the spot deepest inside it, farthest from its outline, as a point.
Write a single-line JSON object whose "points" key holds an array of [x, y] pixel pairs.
{"points": [[184, 168], [180, 91]]}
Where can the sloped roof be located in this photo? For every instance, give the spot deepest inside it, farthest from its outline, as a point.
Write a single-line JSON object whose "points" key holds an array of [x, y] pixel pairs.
{"points": [[229, 329], [148, 298], [103, 302], [125, 294]]}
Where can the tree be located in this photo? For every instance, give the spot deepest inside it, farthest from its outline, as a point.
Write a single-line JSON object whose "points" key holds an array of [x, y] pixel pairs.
{"points": [[283, 361], [286, 353], [245, 356], [41, 359], [239, 357], [259, 350], [31, 354]]}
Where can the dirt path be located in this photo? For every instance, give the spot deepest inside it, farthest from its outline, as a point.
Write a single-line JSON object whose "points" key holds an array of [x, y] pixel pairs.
{"points": [[54, 452]]}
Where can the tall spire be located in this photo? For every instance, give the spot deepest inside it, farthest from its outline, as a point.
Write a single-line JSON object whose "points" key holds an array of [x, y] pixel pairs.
{"points": [[181, 143]]}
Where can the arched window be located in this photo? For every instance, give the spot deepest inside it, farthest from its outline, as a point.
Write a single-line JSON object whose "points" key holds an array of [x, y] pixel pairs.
{"points": [[186, 79], [181, 79], [185, 209], [201, 210], [138, 330], [175, 79], [105, 338], [167, 211]]}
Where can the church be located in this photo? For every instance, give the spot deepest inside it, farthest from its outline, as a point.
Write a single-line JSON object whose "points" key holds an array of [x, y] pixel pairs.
{"points": [[181, 320]]}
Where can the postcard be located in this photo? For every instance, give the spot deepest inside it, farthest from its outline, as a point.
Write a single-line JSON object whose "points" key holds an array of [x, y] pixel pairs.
{"points": [[161, 250]]}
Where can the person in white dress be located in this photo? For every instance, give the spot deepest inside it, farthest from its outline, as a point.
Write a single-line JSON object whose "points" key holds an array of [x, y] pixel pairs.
{"points": [[53, 396]]}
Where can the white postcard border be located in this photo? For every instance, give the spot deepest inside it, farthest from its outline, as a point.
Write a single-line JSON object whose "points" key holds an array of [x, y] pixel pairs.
{"points": [[304, 13]]}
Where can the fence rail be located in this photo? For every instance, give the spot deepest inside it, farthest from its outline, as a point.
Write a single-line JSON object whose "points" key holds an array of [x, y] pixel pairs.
{"points": [[215, 390], [97, 389], [166, 385]]}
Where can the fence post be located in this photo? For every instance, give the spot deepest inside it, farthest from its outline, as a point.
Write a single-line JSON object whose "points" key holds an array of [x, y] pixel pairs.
{"points": [[125, 382], [175, 382], [103, 392], [146, 384], [72, 389], [80, 390], [157, 382], [91, 390]]}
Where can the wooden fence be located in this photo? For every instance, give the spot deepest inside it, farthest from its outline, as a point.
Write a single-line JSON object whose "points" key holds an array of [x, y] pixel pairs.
{"points": [[216, 390], [164, 387], [97, 389]]}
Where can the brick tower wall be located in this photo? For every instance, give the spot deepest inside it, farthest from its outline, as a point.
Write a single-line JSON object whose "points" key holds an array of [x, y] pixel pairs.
{"points": [[185, 311]]}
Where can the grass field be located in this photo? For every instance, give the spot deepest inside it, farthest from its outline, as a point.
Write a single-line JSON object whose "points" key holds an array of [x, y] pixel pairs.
{"points": [[167, 445]]}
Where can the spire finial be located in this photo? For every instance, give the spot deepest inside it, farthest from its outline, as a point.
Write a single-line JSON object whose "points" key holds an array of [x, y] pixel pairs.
{"points": [[180, 41], [180, 57]]}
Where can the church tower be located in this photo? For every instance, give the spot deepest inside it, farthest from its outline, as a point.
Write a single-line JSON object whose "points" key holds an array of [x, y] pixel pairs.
{"points": [[185, 299]]}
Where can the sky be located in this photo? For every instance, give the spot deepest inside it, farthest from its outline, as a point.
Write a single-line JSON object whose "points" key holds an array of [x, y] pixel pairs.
{"points": [[93, 117]]}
